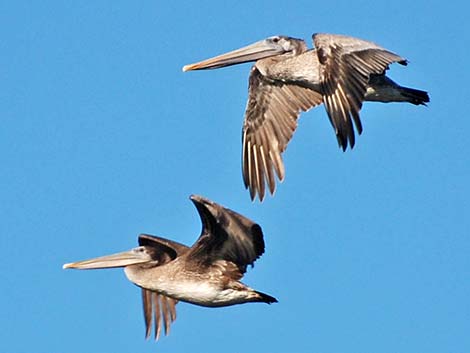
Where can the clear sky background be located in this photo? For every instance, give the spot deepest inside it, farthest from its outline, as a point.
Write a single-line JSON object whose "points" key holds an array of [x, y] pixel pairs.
{"points": [[104, 137]]}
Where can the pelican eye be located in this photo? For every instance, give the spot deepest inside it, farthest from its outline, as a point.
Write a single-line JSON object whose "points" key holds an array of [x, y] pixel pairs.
{"points": [[275, 39]]}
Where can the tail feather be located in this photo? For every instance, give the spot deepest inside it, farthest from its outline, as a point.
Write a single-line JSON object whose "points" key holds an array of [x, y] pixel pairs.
{"points": [[382, 89], [415, 96], [265, 298]]}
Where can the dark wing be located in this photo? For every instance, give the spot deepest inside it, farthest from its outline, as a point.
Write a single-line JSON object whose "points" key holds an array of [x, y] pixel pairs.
{"points": [[168, 249], [158, 307], [270, 121], [346, 65], [226, 235]]}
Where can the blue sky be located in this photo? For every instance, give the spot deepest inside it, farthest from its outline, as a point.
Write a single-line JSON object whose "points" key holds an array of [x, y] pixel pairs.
{"points": [[104, 137]]}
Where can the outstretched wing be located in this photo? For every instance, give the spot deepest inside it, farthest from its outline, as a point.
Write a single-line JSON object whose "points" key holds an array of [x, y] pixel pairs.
{"points": [[226, 235], [157, 307], [270, 121], [160, 308], [346, 65]]}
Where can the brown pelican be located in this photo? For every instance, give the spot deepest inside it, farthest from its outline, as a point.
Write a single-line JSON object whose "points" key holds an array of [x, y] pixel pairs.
{"points": [[288, 78], [206, 274]]}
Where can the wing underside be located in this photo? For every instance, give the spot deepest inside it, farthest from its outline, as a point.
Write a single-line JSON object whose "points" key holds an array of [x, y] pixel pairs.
{"points": [[159, 309]]}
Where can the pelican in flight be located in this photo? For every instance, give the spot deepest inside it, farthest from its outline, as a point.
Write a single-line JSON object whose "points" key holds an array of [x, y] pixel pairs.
{"points": [[288, 78], [206, 274]]}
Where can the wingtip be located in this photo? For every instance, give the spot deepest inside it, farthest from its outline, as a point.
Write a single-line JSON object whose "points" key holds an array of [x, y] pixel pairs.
{"points": [[204, 205], [147, 334], [261, 196], [200, 199], [352, 144], [343, 143], [266, 298], [195, 198]]}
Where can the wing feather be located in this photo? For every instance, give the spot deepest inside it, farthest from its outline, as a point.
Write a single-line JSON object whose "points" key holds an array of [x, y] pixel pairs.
{"points": [[270, 121], [226, 235], [346, 66], [160, 309], [157, 307]]}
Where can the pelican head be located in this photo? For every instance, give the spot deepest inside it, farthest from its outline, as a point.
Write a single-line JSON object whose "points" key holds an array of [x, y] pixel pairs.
{"points": [[272, 46]]}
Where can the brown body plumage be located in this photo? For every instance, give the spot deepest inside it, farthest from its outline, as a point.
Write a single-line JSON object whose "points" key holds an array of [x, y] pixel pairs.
{"points": [[206, 274]]}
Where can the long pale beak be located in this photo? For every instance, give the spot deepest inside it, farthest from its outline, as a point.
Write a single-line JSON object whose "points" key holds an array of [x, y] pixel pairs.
{"points": [[122, 259], [252, 52]]}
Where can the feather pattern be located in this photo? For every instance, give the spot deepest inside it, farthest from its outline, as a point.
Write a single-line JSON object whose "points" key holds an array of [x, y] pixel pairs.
{"points": [[346, 65], [160, 309], [270, 122], [226, 236]]}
